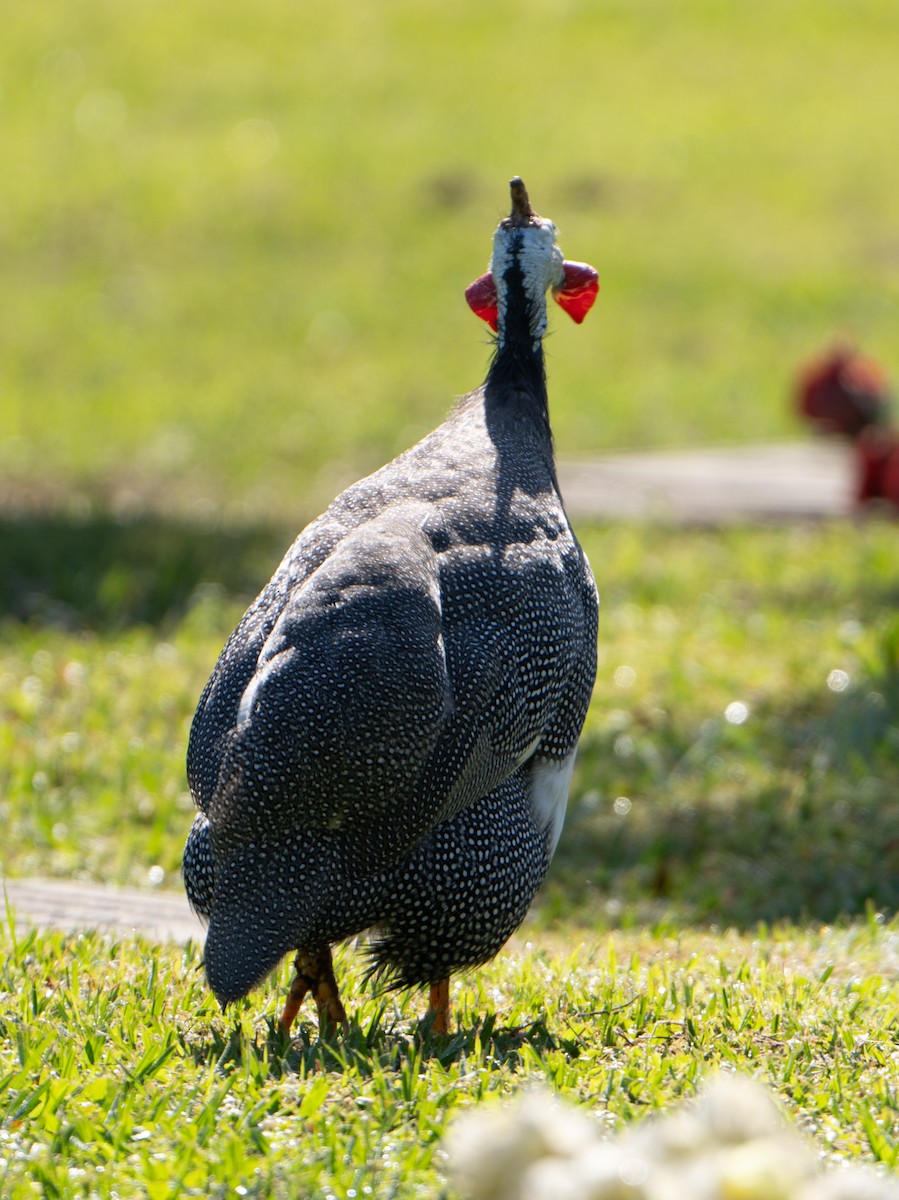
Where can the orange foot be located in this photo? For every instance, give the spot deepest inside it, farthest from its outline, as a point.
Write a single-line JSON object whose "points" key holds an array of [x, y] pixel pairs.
{"points": [[439, 1005], [315, 975]]}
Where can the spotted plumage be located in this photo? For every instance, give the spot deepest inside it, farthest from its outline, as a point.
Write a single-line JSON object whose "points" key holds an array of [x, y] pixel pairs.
{"points": [[387, 738]]}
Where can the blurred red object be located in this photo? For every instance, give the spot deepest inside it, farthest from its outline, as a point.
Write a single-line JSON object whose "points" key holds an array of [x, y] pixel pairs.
{"points": [[877, 456], [843, 392]]}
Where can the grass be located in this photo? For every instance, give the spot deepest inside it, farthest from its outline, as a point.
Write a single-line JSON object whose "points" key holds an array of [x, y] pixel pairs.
{"points": [[235, 239], [234, 243], [788, 812], [716, 871], [120, 1077], [724, 879]]}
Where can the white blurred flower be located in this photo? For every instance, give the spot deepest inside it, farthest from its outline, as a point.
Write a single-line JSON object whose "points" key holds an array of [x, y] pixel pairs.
{"points": [[490, 1151], [768, 1168], [555, 1126], [729, 1144], [734, 1109], [552, 1179], [850, 1183], [598, 1171], [680, 1135]]}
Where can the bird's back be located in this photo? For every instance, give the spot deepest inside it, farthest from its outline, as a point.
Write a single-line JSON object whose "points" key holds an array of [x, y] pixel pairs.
{"points": [[414, 642]]}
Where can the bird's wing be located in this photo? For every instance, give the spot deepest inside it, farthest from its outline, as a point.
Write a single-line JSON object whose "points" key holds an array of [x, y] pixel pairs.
{"points": [[213, 723], [518, 631], [348, 698]]}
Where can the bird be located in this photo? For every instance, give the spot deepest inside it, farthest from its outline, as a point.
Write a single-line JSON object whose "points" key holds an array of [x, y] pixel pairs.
{"points": [[843, 393], [386, 743]]}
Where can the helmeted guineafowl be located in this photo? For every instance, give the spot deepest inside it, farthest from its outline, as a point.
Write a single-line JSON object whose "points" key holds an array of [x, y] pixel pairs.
{"points": [[387, 739]]}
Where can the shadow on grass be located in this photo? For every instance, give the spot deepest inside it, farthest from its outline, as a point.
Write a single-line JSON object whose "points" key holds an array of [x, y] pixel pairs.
{"points": [[377, 1048], [103, 573], [794, 816]]}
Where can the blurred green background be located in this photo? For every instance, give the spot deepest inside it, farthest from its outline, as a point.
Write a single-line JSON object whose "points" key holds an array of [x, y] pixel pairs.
{"points": [[234, 237], [234, 242]]}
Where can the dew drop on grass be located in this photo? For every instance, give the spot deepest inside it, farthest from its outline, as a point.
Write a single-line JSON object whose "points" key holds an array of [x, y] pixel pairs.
{"points": [[838, 681], [736, 712], [590, 801], [74, 673], [624, 746], [664, 621], [165, 654]]}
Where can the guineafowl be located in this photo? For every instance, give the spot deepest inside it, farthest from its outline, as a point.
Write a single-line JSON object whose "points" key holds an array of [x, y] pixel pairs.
{"points": [[843, 393], [387, 740]]}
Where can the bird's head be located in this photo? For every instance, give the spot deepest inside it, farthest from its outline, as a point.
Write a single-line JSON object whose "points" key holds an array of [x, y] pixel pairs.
{"points": [[843, 392], [526, 263]]}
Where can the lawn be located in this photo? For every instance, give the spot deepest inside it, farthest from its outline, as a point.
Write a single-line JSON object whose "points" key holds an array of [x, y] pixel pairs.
{"points": [[121, 1079], [235, 240], [718, 896], [740, 760]]}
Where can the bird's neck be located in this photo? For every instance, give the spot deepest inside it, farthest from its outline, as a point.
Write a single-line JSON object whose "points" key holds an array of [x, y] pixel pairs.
{"points": [[518, 364]]}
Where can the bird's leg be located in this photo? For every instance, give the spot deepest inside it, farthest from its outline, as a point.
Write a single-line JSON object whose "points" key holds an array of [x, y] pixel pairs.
{"points": [[295, 997], [439, 1006], [325, 993], [315, 974]]}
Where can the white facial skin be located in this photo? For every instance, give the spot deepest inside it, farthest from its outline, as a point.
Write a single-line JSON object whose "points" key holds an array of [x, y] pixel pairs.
{"points": [[541, 264]]}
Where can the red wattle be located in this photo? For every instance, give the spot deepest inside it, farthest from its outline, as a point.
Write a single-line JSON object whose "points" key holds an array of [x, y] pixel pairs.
{"points": [[577, 293], [481, 297]]}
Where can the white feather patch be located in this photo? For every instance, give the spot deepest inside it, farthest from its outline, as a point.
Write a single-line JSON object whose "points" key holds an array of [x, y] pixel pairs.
{"points": [[248, 699], [541, 266], [550, 782]]}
